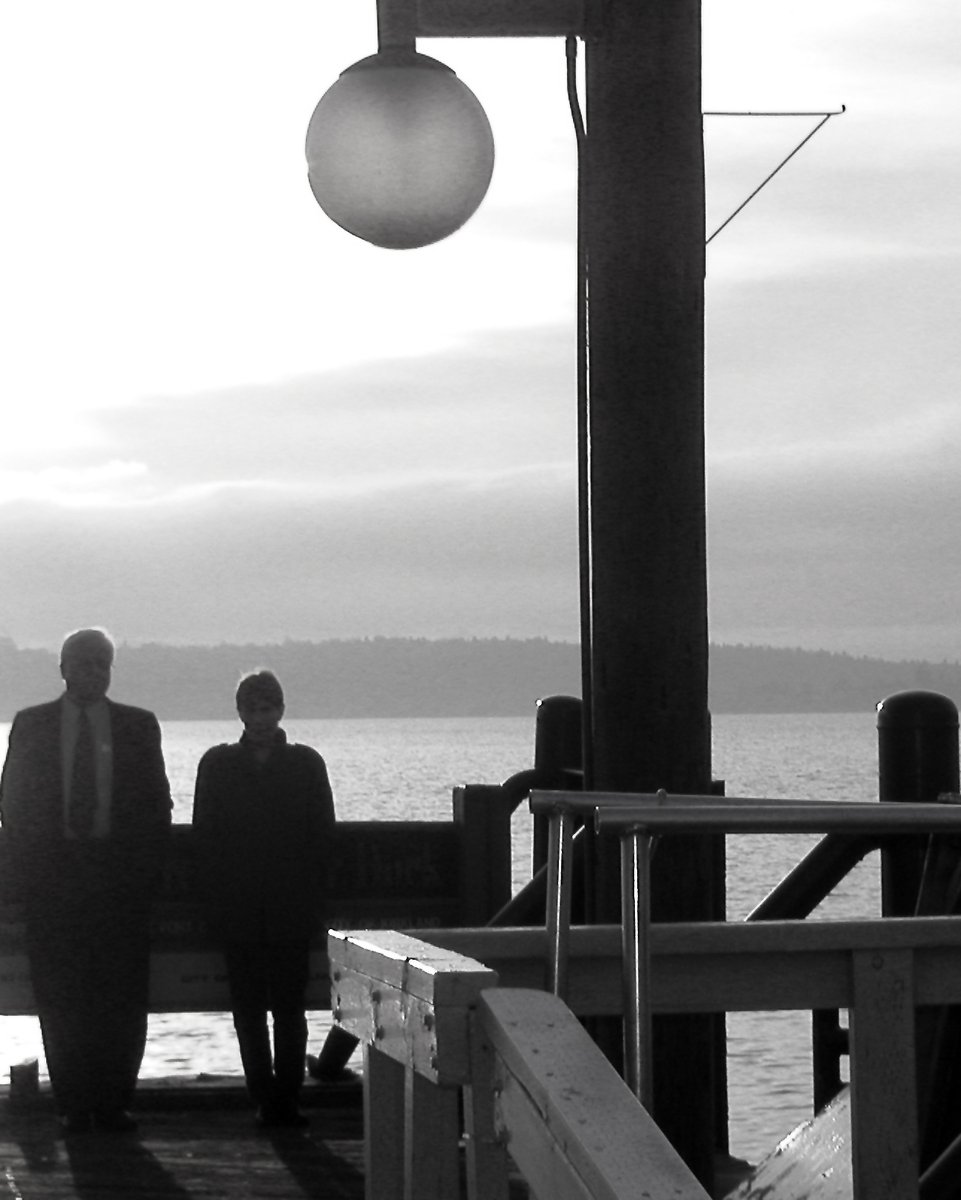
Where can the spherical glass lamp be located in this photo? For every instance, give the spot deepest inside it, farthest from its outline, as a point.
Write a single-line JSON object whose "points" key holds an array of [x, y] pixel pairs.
{"points": [[399, 150]]}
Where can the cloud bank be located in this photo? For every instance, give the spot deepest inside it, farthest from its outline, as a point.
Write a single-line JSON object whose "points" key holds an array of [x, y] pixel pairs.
{"points": [[225, 420]]}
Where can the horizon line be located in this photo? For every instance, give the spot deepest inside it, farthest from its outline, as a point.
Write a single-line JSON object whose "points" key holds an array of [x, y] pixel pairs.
{"points": [[463, 638]]}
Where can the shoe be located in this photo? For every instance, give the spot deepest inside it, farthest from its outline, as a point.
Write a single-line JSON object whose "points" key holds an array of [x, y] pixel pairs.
{"points": [[115, 1120], [280, 1116], [76, 1122]]}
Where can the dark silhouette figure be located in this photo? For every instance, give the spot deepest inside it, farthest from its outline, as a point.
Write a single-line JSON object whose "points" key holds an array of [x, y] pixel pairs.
{"points": [[263, 812], [86, 808]]}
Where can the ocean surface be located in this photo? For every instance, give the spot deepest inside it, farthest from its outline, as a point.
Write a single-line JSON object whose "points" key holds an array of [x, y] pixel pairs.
{"points": [[405, 769]]}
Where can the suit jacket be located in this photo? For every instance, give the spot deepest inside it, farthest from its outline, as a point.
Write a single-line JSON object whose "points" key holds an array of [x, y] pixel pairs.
{"points": [[43, 861]]}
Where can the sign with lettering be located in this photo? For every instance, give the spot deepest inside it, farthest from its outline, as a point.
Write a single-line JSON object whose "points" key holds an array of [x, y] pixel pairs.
{"points": [[382, 875]]}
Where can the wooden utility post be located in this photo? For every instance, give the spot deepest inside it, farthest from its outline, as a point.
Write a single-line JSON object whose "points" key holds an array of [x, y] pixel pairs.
{"points": [[649, 653], [645, 236]]}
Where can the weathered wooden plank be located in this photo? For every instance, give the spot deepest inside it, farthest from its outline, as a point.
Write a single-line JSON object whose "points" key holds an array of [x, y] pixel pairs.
{"points": [[410, 998], [384, 1092], [574, 1128], [485, 1159], [713, 967], [194, 980], [884, 1128], [813, 1162], [431, 972], [773, 981], [431, 1039], [712, 937], [431, 1133], [180, 981], [761, 936]]}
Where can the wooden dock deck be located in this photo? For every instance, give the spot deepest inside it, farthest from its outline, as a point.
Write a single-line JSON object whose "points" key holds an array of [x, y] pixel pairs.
{"points": [[196, 1139]]}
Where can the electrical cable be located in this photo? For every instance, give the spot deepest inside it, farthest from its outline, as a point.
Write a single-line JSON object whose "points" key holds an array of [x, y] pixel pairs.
{"points": [[583, 421]]}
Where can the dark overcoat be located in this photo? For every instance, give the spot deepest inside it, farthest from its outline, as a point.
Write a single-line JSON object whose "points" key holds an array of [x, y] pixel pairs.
{"points": [[262, 834]]}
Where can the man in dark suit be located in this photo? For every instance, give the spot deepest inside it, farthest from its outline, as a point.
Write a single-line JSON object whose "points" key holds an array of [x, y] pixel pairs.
{"points": [[85, 804]]}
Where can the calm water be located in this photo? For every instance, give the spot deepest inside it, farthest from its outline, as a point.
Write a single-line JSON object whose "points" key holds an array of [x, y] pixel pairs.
{"points": [[406, 769]]}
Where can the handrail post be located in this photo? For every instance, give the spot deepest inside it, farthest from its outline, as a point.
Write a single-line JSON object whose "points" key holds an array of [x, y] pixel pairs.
{"points": [[559, 872], [636, 935], [412, 1005]]}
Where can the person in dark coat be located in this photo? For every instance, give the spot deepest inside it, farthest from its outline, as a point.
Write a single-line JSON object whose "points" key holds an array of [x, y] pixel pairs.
{"points": [[263, 813], [86, 811]]}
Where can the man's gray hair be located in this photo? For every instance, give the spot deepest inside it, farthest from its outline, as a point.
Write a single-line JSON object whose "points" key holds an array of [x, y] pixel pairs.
{"points": [[81, 637]]}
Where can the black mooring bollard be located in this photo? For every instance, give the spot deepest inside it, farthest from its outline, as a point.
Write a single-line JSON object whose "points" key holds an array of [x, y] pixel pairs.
{"points": [[558, 752], [557, 734], [917, 761]]}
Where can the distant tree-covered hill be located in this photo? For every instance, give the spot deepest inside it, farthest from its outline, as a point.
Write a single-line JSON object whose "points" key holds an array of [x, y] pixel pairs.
{"points": [[383, 677], [767, 679]]}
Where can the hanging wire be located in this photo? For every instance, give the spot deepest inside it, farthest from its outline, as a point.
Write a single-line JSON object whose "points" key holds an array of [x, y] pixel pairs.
{"points": [[583, 373], [583, 424], [825, 117]]}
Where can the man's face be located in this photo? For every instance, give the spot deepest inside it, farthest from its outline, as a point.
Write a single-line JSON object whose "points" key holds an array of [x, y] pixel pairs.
{"points": [[85, 667], [261, 719]]}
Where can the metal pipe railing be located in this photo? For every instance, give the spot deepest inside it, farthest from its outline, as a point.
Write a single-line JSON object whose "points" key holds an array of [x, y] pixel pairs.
{"points": [[733, 817], [562, 812], [638, 818], [636, 956], [560, 869], [777, 816]]}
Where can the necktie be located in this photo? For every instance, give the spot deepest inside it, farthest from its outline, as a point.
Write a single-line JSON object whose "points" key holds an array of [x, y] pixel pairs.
{"points": [[83, 781]]}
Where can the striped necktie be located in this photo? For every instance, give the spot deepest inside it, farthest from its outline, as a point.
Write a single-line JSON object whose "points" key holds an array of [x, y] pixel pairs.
{"points": [[83, 781]]}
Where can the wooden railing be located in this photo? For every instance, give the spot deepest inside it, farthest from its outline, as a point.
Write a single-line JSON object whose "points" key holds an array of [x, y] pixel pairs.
{"points": [[880, 971], [537, 1091], [383, 874]]}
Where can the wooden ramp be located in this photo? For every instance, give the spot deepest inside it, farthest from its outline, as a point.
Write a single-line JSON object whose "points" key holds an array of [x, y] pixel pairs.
{"points": [[812, 1163]]}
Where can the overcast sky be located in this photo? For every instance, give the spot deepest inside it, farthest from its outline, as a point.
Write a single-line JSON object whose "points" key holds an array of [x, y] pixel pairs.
{"points": [[225, 419]]}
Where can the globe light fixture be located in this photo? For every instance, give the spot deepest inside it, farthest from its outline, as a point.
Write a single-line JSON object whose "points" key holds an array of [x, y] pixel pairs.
{"points": [[399, 150]]}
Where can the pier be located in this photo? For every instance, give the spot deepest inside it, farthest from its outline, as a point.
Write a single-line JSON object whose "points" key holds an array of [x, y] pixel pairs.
{"points": [[480, 1075]]}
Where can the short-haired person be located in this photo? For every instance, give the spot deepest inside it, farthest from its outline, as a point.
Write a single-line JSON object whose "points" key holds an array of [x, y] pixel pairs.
{"points": [[86, 809], [263, 813]]}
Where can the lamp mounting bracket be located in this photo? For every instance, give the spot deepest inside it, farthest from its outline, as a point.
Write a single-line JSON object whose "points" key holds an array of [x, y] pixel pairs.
{"points": [[399, 22]]}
